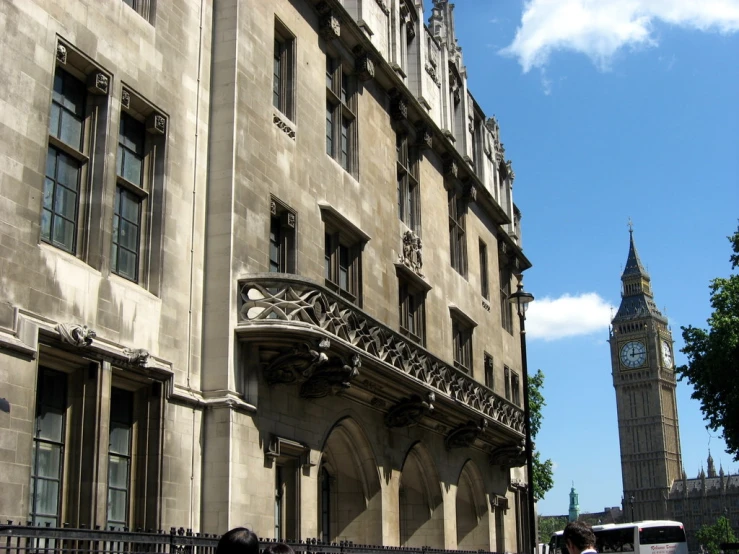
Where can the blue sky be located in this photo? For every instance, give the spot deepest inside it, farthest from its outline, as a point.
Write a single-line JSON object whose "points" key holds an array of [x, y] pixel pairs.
{"points": [[611, 110]]}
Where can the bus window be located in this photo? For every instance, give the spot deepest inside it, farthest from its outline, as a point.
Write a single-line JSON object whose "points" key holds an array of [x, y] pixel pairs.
{"points": [[615, 540], [661, 535]]}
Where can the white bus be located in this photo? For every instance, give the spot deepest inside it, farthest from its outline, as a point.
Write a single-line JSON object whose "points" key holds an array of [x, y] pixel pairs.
{"points": [[641, 537]]}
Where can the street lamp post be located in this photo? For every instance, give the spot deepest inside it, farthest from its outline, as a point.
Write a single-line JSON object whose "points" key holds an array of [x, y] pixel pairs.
{"points": [[632, 507], [521, 300]]}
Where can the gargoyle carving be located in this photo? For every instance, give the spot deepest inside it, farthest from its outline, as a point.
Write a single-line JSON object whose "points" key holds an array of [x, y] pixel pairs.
{"points": [[297, 364], [510, 455], [464, 435], [75, 334], [409, 411], [331, 377], [137, 356]]}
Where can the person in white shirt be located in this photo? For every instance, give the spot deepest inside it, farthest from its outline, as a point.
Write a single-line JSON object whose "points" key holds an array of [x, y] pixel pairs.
{"points": [[579, 538]]}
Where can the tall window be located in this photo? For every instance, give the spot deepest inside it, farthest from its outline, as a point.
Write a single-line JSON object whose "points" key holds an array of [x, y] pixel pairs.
{"points": [[283, 71], [119, 457], [462, 344], [48, 448], [64, 161], [489, 372], [412, 312], [409, 197], [281, 239], [142, 7], [506, 309], [340, 113], [286, 499], [136, 255], [457, 238], [484, 281], [341, 265], [507, 379], [129, 198], [516, 388]]}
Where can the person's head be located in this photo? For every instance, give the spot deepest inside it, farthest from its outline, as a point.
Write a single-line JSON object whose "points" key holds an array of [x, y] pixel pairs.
{"points": [[578, 536], [278, 548], [238, 540]]}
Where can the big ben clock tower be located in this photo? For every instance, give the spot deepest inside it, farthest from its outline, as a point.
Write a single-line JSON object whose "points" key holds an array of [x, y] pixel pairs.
{"points": [[642, 364]]}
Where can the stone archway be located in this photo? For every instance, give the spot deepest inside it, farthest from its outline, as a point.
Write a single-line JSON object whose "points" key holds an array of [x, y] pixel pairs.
{"points": [[421, 505], [473, 521], [349, 493]]}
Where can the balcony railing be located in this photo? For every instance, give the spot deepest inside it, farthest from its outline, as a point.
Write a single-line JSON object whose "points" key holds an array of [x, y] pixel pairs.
{"points": [[273, 299], [28, 539]]}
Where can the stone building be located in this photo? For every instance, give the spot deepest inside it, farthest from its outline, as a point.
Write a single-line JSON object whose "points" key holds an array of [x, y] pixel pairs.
{"points": [[256, 268]]}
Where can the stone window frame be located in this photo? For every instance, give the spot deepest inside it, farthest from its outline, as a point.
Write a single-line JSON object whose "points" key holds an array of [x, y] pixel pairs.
{"points": [[149, 192], [412, 309], [73, 64], [284, 55], [484, 271], [457, 206], [145, 8], [462, 335], [489, 371], [282, 238], [340, 233], [505, 276], [408, 162], [507, 382], [85, 445], [341, 107]]}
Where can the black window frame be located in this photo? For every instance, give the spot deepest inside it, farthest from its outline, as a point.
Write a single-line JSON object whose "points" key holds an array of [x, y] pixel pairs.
{"points": [[341, 112]]}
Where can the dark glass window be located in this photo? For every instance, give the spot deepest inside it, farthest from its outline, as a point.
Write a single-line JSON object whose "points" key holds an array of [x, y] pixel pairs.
{"points": [[507, 379], [61, 200], [516, 388], [67, 109], [119, 457], [342, 266], [48, 448], [282, 71], [282, 239], [462, 343], [411, 307], [409, 201], [661, 535], [457, 239], [506, 309], [340, 113], [131, 150], [489, 372], [484, 282], [126, 229]]}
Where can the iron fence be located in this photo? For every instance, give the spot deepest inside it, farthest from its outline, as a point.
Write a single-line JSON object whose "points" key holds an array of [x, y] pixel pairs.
{"points": [[29, 539]]}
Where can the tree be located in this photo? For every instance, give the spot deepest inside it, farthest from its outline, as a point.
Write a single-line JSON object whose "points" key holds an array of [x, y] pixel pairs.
{"points": [[713, 357], [548, 525], [543, 479], [711, 536]]}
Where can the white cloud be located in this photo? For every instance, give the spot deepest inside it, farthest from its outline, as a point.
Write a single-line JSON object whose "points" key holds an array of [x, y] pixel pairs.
{"points": [[568, 316], [599, 28]]}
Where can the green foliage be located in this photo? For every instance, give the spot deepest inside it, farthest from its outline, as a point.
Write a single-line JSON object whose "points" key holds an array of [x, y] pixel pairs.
{"points": [[543, 478], [548, 525], [711, 536], [713, 357]]}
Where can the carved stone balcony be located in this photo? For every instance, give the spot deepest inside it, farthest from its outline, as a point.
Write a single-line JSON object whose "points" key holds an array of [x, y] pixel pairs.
{"points": [[326, 345]]}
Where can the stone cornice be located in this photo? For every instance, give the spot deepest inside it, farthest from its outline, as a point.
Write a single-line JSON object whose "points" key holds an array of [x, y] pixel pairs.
{"points": [[268, 301]]}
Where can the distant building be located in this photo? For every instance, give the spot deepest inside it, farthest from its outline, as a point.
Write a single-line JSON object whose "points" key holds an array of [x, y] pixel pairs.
{"points": [[574, 506], [655, 485]]}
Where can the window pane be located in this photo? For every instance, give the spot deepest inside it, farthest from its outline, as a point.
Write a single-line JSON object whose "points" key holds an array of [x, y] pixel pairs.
{"points": [[120, 438], [329, 130], [48, 460], [46, 499], [127, 264], [117, 506], [71, 130], [345, 123], [274, 245], [327, 251], [128, 235], [63, 234], [118, 471], [55, 119], [276, 74], [130, 207], [65, 202], [67, 171], [48, 193], [132, 168]]}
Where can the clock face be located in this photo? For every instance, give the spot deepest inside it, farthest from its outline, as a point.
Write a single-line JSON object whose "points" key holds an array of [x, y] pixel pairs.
{"points": [[666, 354], [633, 354]]}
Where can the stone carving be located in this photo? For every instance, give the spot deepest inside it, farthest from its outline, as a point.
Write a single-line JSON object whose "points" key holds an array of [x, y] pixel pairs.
{"points": [[97, 83], [451, 169], [298, 362], [75, 334], [137, 356], [510, 455], [156, 124], [61, 54], [424, 137], [330, 26], [383, 7], [409, 411], [364, 66], [431, 70], [283, 126], [125, 99], [398, 106], [470, 192], [310, 365], [509, 170], [291, 220], [464, 435], [411, 255], [410, 30], [267, 301]]}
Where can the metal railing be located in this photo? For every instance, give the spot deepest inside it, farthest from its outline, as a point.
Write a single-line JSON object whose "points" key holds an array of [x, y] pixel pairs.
{"points": [[29, 539]]}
